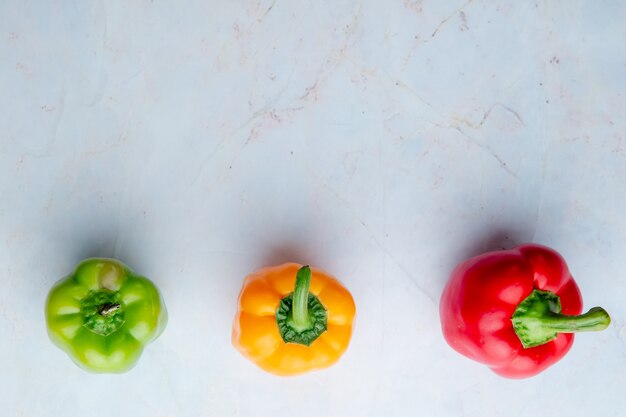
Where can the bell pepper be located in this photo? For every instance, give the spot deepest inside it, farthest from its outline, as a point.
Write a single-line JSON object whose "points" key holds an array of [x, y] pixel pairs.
{"points": [[515, 310], [292, 319], [103, 315]]}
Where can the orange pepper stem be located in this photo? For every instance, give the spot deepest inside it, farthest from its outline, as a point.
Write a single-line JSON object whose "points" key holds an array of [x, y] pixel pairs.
{"points": [[301, 319]]}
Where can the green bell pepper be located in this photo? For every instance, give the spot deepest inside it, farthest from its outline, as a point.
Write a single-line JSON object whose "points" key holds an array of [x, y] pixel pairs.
{"points": [[103, 315]]}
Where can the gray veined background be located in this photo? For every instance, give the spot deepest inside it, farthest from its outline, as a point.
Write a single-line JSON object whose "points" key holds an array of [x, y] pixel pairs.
{"points": [[381, 141]]}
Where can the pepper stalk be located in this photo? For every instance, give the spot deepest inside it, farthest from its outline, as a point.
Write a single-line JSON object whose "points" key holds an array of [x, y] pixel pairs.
{"points": [[301, 317], [538, 319]]}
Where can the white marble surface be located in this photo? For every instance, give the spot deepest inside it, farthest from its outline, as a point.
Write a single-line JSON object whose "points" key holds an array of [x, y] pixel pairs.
{"points": [[383, 141]]}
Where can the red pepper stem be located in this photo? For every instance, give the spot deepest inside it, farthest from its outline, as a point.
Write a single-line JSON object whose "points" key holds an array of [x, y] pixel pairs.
{"points": [[538, 319], [595, 319], [301, 319]]}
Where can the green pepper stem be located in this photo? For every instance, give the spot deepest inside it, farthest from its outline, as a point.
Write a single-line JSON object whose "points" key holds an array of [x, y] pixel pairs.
{"points": [[106, 309], [300, 310], [595, 319]]}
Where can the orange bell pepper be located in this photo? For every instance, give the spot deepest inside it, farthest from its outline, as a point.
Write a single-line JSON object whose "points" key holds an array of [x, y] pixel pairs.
{"points": [[293, 319]]}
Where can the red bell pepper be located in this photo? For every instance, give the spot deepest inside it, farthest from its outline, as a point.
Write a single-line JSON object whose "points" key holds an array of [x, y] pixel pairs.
{"points": [[515, 310]]}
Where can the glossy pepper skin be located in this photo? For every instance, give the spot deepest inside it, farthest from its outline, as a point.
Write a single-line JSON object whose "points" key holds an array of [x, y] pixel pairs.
{"points": [[515, 310], [103, 315], [274, 330]]}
